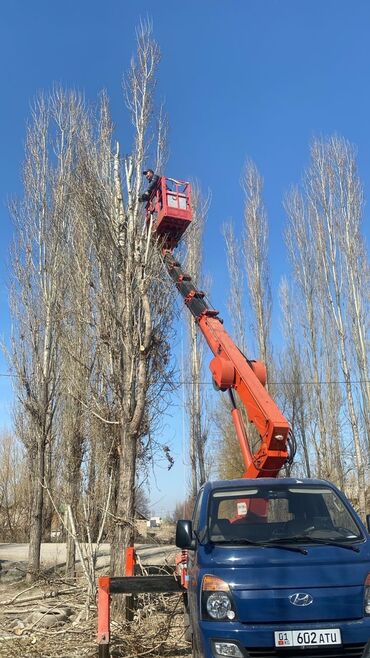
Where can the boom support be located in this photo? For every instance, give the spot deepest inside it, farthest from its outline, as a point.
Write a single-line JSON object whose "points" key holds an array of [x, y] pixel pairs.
{"points": [[231, 370]]}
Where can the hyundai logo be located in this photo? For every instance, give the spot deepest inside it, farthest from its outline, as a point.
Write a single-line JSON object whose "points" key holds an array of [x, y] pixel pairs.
{"points": [[301, 598]]}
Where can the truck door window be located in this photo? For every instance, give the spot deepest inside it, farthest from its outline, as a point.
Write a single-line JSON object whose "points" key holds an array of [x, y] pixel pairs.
{"points": [[196, 513], [340, 518], [327, 514]]}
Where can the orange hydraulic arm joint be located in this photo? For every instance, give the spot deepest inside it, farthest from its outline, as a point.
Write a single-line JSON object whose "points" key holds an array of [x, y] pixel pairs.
{"points": [[232, 371]]}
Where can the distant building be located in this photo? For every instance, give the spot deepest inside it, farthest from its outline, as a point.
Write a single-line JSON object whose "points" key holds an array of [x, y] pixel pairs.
{"points": [[154, 522]]}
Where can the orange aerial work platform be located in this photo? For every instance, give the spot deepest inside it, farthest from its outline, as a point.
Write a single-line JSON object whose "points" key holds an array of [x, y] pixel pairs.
{"points": [[169, 210]]}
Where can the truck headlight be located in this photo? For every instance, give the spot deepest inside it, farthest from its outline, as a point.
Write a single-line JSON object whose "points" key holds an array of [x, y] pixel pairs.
{"points": [[216, 599], [367, 595], [219, 606]]}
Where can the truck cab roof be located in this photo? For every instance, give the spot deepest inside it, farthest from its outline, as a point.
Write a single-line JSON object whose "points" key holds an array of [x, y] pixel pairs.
{"points": [[267, 482]]}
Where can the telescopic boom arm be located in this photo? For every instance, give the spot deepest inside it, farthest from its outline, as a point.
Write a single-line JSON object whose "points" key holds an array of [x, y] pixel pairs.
{"points": [[168, 214], [231, 370]]}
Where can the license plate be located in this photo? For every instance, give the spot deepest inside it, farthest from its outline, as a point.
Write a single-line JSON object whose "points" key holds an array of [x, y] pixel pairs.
{"points": [[306, 638]]}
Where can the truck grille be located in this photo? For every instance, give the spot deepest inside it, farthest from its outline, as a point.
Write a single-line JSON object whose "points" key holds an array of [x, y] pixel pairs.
{"points": [[347, 651]]}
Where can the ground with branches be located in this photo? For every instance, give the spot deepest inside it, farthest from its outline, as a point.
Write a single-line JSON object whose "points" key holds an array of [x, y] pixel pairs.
{"points": [[51, 619]]}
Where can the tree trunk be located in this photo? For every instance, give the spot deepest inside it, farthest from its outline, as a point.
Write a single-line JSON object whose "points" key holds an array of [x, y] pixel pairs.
{"points": [[37, 503], [124, 529]]}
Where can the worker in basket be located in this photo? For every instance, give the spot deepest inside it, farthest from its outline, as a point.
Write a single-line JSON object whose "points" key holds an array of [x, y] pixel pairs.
{"points": [[152, 179]]}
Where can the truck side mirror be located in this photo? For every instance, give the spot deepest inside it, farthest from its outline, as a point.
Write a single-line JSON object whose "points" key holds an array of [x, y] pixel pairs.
{"points": [[368, 522], [184, 535]]}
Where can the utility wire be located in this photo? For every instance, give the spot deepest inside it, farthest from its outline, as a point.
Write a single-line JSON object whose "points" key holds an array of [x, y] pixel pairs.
{"points": [[306, 383]]}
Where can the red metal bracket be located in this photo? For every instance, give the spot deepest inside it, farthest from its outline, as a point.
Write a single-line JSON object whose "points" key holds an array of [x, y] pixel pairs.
{"points": [[103, 616], [128, 585], [104, 592], [130, 561]]}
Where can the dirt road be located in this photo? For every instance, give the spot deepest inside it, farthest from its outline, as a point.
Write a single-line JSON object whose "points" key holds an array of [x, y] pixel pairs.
{"points": [[54, 554]]}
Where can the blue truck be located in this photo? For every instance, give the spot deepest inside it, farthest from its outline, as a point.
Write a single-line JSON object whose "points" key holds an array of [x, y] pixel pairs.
{"points": [[276, 568]]}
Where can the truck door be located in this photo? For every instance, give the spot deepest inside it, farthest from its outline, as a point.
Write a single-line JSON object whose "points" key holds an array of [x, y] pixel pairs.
{"points": [[193, 585]]}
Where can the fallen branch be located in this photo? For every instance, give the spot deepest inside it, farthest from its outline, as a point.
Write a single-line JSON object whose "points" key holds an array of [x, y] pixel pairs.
{"points": [[19, 594], [41, 596]]}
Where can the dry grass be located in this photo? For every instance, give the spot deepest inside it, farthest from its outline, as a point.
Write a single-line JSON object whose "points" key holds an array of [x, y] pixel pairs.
{"points": [[157, 629]]}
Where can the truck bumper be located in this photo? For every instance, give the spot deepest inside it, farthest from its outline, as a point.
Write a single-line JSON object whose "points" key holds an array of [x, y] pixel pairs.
{"points": [[252, 639]]}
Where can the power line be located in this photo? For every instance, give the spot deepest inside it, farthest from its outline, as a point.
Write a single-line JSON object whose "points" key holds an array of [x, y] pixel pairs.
{"points": [[294, 383]]}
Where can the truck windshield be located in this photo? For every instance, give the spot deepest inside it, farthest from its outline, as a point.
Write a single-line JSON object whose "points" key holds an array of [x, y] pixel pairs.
{"points": [[264, 514]]}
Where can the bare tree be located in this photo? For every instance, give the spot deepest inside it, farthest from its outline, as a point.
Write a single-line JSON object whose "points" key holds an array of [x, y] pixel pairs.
{"points": [[236, 301], [228, 456], [356, 280], [226, 450], [132, 307], [195, 399], [303, 256], [295, 376], [250, 264], [292, 374], [38, 286], [257, 258], [91, 311], [14, 490], [326, 264], [332, 189], [183, 509], [73, 420]]}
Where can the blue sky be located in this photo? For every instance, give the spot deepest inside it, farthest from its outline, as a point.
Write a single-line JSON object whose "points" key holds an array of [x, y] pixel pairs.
{"points": [[241, 78]]}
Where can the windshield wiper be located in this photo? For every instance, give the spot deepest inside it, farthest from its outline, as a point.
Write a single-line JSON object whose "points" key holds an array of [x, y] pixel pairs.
{"points": [[315, 540], [235, 540], [262, 544]]}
